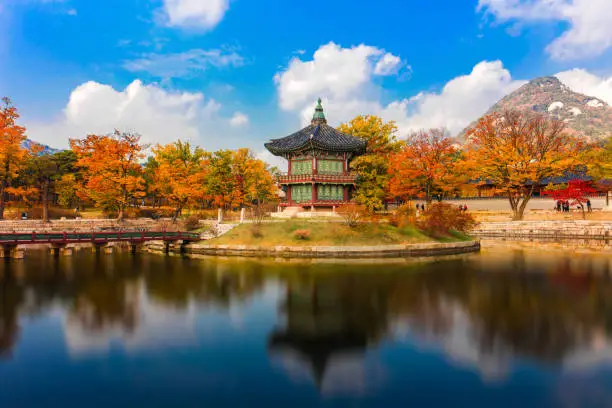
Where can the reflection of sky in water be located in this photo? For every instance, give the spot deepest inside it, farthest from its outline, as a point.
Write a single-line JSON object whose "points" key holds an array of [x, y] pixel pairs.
{"points": [[437, 335], [160, 327]]}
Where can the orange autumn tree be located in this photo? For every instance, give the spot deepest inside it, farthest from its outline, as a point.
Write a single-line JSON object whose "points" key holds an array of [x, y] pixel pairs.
{"points": [[426, 166], [515, 151], [12, 153], [111, 169], [179, 174]]}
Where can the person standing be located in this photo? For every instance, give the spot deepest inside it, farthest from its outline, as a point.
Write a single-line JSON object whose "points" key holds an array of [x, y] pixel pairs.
{"points": [[588, 203]]}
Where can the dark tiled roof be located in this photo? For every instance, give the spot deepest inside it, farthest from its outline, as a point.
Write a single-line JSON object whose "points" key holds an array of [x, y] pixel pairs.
{"points": [[565, 178], [318, 136]]}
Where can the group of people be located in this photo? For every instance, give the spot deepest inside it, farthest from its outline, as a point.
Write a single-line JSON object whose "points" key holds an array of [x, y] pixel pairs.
{"points": [[564, 206], [421, 207]]}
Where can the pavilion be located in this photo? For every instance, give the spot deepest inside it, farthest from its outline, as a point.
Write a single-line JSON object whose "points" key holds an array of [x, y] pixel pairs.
{"points": [[319, 157]]}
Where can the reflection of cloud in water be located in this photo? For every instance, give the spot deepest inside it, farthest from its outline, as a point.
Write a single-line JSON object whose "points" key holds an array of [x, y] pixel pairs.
{"points": [[346, 374], [457, 340], [158, 327], [591, 356]]}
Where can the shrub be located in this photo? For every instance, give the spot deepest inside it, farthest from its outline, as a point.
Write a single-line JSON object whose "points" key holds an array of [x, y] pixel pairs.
{"points": [[256, 231], [302, 234], [440, 219], [351, 213], [156, 213], [403, 216], [191, 222]]}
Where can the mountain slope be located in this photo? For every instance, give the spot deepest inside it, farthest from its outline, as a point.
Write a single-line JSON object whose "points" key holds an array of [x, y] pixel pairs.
{"points": [[584, 115], [47, 149]]}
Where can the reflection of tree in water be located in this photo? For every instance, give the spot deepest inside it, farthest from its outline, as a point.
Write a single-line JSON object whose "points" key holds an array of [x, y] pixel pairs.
{"points": [[179, 284], [329, 316], [509, 311], [104, 302], [105, 293], [509, 308], [11, 297], [515, 313]]}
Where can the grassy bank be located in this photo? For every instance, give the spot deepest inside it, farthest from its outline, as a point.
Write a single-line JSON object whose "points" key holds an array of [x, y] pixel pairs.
{"points": [[300, 232]]}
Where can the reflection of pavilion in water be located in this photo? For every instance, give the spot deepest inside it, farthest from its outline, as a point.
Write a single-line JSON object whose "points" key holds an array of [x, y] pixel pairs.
{"points": [[328, 321]]}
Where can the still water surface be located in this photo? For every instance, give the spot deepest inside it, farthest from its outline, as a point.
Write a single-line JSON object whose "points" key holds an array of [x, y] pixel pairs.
{"points": [[505, 328]]}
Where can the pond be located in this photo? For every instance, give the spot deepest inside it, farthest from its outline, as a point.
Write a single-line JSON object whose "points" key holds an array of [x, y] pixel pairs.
{"points": [[504, 328]]}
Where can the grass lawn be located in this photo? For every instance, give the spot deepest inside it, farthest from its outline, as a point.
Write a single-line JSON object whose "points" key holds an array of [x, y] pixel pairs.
{"points": [[327, 234]]}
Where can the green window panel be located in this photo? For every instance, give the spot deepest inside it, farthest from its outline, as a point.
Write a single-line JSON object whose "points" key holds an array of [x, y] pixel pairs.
{"points": [[330, 192], [301, 167], [330, 166], [301, 193]]}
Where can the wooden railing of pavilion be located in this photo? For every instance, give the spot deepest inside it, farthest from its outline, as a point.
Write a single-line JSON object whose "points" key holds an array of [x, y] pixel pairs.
{"points": [[342, 178]]}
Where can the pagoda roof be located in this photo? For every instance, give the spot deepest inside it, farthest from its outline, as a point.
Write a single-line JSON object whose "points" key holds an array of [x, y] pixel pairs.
{"points": [[321, 136], [318, 135]]}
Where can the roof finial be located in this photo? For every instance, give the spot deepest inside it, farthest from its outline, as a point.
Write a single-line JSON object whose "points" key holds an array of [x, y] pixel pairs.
{"points": [[319, 116]]}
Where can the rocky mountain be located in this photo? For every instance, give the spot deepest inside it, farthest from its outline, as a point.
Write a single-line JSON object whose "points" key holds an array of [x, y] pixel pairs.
{"points": [[47, 149], [585, 115]]}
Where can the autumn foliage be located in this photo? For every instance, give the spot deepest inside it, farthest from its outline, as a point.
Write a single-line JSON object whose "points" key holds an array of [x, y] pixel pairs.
{"points": [[427, 166], [12, 153], [517, 151], [372, 168], [440, 219], [514, 152], [576, 193], [111, 169], [179, 174]]}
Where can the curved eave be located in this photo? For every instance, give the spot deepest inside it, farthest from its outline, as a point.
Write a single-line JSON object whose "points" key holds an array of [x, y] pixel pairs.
{"points": [[311, 139], [313, 146]]}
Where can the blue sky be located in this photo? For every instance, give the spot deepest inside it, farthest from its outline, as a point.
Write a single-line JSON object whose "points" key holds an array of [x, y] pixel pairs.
{"points": [[231, 73]]}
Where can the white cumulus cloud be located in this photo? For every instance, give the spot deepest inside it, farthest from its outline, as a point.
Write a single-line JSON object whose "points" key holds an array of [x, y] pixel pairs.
{"points": [[346, 80], [334, 72], [159, 115], [239, 119], [195, 14], [462, 100], [587, 83], [389, 64], [589, 22]]}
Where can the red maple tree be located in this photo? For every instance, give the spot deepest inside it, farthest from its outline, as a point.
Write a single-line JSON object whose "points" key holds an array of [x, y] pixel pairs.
{"points": [[576, 193]]}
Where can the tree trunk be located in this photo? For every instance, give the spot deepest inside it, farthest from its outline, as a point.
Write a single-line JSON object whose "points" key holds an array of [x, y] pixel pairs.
{"points": [[45, 200], [121, 213], [2, 199], [177, 212], [513, 205]]}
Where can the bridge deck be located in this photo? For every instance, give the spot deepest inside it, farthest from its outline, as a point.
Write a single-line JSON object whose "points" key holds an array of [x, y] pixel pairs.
{"points": [[94, 237]]}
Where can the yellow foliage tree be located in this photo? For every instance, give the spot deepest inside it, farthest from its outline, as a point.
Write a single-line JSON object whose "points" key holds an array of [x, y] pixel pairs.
{"points": [[238, 179], [373, 167]]}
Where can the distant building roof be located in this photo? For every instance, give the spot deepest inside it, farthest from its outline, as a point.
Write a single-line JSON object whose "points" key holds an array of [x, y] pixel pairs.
{"points": [[318, 135]]}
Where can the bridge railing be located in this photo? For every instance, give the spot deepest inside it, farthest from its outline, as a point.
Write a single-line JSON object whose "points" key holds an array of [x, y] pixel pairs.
{"points": [[76, 237]]}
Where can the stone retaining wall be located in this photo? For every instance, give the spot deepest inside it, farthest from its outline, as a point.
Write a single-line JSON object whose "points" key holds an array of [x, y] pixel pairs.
{"points": [[545, 229], [382, 251], [73, 225]]}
